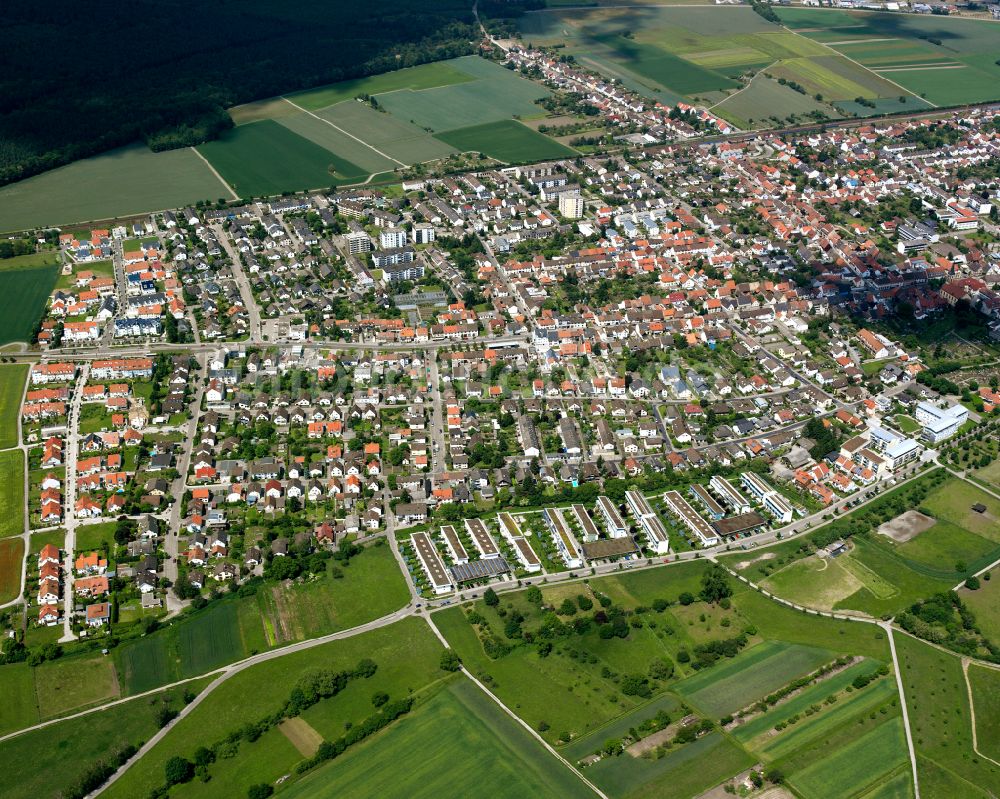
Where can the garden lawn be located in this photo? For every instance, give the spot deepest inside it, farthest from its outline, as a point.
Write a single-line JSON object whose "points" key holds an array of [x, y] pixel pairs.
{"points": [[11, 563], [508, 141], [754, 673], [985, 685], [459, 743], [265, 157], [12, 507]]}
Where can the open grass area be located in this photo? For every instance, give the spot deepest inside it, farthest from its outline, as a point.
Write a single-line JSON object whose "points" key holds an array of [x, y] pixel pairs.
{"points": [[264, 688], [458, 743], [25, 292], [266, 157], [508, 141], [30, 261], [60, 754], [234, 628], [19, 708], [937, 700], [985, 604], [12, 377], [946, 546], [11, 563], [11, 492], [100, 536], [985, 685], [749, 676], [73, 683], [128, 181], [767, 97]]}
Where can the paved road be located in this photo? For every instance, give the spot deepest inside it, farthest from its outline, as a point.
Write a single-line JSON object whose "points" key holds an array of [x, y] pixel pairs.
{"points": [[71, 519], [246, 293]]}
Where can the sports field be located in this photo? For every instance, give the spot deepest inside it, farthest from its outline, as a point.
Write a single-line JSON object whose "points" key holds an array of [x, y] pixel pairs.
{"points": [[754, 673], [265, 158], [11, 560], [25, 292], [508, 141], [131, 180], [12, 377], [460, 743]]}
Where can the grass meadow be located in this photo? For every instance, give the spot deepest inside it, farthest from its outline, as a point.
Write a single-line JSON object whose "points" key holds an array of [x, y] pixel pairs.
{"points": [[940, 722], [11, 492], [11, 559], [985, 686]]}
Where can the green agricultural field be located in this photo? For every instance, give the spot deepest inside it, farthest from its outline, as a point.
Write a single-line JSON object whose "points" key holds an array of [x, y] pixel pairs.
{"points": [[265, 157], [857, 767], [769, 98], [25, 293], [73, 683], [681, 773], [12, 377], [938, 704], [393, 136], [749, 676], [985, 685], [19, 708], [493, 94], [128, 181], [457, 744], [320, 132], [11, 560], [11, 492], [814, 694], [508, 141], [424, 76], [61, 753], [263, 689]]}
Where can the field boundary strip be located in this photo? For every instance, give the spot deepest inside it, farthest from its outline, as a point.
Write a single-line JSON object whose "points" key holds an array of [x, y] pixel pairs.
{"points": [[215, 172], [345, 132]]}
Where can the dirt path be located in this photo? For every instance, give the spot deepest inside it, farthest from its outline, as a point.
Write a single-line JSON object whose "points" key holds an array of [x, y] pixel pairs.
{"points": [[972, 713]]}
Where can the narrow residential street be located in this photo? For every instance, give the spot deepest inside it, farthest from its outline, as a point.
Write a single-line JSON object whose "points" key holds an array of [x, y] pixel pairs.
{"points": [[72, 452]]}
